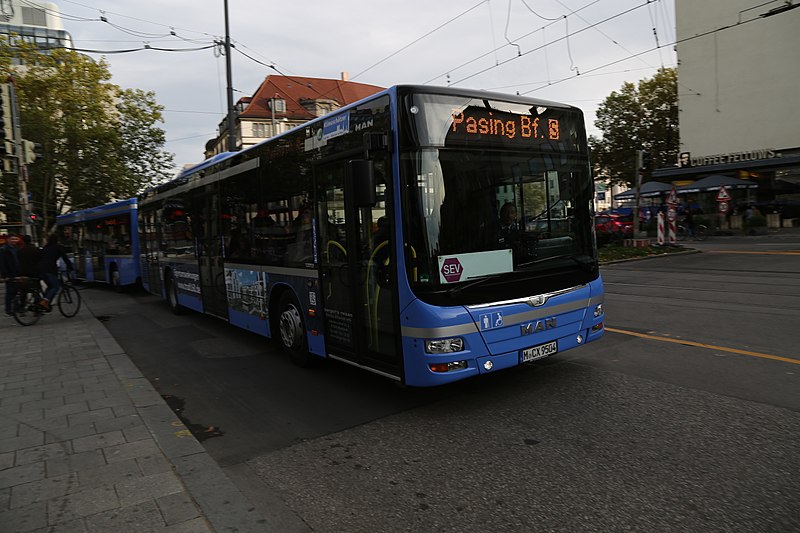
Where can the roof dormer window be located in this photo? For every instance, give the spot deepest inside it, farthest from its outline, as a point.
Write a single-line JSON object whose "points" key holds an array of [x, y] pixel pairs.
{"points": [[278, 105]]}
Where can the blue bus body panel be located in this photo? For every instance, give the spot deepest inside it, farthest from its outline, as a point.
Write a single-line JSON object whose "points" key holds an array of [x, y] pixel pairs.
{"points": [[496, 334], [250, 291], [127, 265]]}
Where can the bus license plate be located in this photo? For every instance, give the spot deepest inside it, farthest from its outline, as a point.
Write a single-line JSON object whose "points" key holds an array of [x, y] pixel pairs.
{"points": [[539, 352]]}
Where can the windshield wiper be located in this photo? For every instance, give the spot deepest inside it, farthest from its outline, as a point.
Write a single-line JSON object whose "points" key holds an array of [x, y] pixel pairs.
{"points": [[472, 283], [586, 263]]}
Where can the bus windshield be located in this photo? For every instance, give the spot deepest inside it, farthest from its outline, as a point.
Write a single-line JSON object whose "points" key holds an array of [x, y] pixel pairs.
{"points": [[493, 217]]}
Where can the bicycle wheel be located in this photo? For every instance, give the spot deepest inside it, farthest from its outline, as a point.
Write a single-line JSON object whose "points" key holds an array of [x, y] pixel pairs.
{"points": [[69, 301], [680, 232], [701, 232], [26, 308]]}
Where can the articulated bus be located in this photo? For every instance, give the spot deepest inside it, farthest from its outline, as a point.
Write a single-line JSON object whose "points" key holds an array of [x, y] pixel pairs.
{"points": [[373, 235], [103, 242]]}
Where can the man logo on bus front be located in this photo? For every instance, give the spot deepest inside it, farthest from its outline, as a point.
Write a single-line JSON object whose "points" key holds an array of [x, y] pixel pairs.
{"points": [[452, 269]]}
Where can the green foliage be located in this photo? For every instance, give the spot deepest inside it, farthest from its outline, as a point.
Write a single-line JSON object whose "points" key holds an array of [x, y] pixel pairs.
{"points": [[637, 118], [99, 142]]}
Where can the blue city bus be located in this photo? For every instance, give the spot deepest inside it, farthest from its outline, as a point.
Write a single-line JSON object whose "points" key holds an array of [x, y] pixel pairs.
{"points": [[373, 236], [103, 242]]}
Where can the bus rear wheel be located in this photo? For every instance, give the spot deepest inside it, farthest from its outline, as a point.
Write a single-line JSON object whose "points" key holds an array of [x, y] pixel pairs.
{"points": [[292, 330]]}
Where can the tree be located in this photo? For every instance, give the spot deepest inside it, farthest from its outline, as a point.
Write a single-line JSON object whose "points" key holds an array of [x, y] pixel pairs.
{"points": [[637, 118], [99, 142]]}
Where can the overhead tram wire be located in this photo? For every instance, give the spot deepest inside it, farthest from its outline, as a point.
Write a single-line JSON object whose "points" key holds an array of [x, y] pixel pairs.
{"points": [[127, 51], [135, 33], [620, 14], [673, 43], [138, 19], [490, 52], [415, 41], [273, 67], [172, 28], [655, 34]]}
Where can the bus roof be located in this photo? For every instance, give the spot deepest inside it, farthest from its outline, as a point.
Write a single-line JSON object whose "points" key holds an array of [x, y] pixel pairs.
{"points": [[184, 175], [92, 213]]}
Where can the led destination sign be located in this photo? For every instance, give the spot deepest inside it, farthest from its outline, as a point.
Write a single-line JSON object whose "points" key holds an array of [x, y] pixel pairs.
{"points": [[477, 121], [487, 126]]}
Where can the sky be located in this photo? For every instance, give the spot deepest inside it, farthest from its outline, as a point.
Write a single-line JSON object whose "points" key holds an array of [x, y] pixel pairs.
{"points": [[570, 51]]}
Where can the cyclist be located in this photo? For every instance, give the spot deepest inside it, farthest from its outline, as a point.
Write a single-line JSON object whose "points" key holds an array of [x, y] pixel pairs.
{"points": [[21, 259], [689, 222], [48, 268], [9, 268]]}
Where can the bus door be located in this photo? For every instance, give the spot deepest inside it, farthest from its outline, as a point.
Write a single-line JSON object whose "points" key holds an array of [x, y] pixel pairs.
{"points": [[210, 241], [357, 272], [97, 250], [79, 250]]}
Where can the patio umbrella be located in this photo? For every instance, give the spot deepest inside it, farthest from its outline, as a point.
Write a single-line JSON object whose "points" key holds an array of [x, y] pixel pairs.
{"points": [[714, 182], [647, 190]]}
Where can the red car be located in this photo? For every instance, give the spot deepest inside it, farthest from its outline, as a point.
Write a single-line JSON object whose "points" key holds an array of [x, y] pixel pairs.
{"points": [[613, 225]]}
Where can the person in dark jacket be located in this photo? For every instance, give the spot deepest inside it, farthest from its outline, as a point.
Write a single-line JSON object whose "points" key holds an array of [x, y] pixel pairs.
{"points": [[9, 268], [28, 257], [48, 268]]}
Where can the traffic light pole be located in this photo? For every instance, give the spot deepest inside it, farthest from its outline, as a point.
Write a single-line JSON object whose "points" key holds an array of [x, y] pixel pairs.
{"points": [[22, 168]]}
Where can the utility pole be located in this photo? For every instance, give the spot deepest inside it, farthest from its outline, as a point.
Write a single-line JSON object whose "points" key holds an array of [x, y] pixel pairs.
{"points": [[231, 126], [637, 232]]}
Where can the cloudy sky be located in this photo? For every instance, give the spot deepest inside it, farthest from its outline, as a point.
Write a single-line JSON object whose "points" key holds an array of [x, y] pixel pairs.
{"points": [[573, 51]]}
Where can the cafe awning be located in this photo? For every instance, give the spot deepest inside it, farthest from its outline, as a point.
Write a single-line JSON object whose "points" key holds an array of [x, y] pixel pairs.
{"points": [[714, 182], [647, 190]]}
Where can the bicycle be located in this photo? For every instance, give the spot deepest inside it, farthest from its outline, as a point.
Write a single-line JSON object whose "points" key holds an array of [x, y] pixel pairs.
{"points": [[700, 233], [27, 308]]}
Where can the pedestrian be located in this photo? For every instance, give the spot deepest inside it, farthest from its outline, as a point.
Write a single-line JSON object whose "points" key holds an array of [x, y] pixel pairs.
{"points": [[48, 268], [689, 221], [9, 268]]}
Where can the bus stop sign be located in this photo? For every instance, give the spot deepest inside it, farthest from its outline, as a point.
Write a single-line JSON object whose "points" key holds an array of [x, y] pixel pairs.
{"points": [[452, 269]]}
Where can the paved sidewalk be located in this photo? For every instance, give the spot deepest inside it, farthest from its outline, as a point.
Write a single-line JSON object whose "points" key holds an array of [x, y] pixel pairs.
{"points": [[87, 444]]}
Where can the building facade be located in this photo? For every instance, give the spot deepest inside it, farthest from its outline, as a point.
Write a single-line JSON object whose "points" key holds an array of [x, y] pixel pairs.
{"points": [[34, 22], [284, 102], [738, 79], [38, 23]]}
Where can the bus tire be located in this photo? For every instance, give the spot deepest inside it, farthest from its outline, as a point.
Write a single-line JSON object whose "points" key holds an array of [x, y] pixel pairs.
{"points": [[172, 296], [292, 330]]}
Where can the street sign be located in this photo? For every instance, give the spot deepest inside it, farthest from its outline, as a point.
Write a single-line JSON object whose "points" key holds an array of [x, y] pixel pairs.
{"points": [[723, 207], [452, 269], [672, 214], [672, 199], [722, 195]]}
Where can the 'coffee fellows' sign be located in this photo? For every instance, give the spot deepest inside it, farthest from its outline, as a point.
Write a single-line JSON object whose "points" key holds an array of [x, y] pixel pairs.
{"points": [[685, 159]]}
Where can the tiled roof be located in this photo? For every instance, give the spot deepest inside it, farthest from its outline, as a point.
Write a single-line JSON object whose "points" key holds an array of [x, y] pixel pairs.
{"points": [[296, 89]]}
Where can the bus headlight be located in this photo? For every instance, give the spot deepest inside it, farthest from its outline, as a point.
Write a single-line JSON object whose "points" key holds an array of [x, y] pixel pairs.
{"points": [[454, 344], [598, 310]]}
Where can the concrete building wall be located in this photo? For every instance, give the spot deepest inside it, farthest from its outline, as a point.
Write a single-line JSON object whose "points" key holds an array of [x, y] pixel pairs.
{"points": [[739, 88]]}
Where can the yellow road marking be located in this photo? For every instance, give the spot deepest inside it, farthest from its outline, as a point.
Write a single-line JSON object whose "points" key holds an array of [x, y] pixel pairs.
{"points": [[703, 345], [782, 252]]}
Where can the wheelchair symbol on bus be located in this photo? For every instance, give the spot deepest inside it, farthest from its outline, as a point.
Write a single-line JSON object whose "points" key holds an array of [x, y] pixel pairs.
{"points": [[491, 320]]}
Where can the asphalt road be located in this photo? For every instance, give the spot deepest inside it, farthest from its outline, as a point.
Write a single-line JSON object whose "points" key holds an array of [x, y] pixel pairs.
{"points": [[685, 417]]}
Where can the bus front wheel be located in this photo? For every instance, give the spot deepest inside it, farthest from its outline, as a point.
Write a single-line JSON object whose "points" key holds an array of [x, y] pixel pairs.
{"points": [[292, 330]]}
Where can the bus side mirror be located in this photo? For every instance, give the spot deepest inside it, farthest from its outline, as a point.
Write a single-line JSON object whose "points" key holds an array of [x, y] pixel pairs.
{"points": [[363, 172]]}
